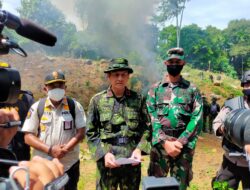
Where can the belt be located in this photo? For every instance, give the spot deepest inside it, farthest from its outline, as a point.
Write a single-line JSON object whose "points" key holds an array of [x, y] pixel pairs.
{"points": [[119, 141], [174, 132]]}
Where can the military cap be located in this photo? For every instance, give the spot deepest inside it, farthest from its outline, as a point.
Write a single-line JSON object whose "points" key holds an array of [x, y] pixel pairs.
{"points": [[175, 53], [55, 76], [118, 64]]}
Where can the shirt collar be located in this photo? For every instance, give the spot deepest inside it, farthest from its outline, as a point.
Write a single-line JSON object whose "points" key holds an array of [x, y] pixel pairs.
{"points": [[110, 94], [48, 103], [181, 83]]}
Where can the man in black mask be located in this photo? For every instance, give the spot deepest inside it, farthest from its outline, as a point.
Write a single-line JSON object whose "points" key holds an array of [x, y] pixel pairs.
{"points": [[175, 61], [233, 168], [175, 107]]}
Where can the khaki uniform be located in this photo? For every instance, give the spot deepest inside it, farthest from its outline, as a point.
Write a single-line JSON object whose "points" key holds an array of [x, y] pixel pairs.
{"points": [[56, 127]]}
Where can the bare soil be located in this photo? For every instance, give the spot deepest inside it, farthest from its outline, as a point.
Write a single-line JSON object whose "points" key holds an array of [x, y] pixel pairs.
{"points": [[207, 160], [86, 79]]}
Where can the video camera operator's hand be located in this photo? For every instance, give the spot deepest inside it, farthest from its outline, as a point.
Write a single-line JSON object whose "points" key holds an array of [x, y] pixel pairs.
{"points": [[247, 149], [42, 172], [7, 115]]}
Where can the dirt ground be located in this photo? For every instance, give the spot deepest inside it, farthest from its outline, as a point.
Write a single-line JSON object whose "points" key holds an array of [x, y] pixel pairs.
{"points": [[207, 160]]}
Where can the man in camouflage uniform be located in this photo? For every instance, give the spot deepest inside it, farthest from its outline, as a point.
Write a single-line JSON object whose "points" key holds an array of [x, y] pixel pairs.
{"points": [[117, 125], [175, 107]]}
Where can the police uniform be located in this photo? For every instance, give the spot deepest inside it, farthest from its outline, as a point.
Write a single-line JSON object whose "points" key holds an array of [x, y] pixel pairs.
{"points": [[118, 126], [233, 168], [56, 126], [175, 110]]}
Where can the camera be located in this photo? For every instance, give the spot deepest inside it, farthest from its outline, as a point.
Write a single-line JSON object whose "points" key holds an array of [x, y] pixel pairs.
{"points": [[10, 81], [160, 183], [10, 84]]}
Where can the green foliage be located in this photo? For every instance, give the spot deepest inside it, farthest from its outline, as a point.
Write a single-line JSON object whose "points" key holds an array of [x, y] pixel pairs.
{"points": [[48, 16], [221, 185], [87, 83], [237, 36], [205, 49], [169, 9]]}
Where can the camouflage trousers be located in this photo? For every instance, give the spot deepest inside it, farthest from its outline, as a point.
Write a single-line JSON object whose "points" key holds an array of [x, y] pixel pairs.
{"points": [[180, 167], [126, 177]]}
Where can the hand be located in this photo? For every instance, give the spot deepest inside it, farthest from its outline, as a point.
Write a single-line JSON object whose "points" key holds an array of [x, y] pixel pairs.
{"points": [[7, 115], [58, 151], [136, 155], [109, 160], [173, 148], [247, 149], [42, 171]]}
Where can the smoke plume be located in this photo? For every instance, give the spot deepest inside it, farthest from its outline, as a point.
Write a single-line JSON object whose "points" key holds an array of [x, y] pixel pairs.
{"points": [[115, 28]]}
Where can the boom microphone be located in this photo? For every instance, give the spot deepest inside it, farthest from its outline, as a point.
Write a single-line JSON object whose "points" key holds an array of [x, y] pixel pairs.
{"points": [[27, 29]]}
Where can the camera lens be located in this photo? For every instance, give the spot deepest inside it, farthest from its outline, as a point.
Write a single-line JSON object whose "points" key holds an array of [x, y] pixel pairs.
{"points": [[10, 84]]}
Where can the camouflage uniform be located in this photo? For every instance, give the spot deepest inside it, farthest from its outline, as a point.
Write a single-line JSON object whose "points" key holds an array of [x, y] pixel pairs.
{"points": [[117, 126], [176, 113]]}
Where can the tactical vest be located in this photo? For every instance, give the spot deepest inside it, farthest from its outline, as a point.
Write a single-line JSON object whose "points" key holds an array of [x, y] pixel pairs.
{"points": [[122, 121]]}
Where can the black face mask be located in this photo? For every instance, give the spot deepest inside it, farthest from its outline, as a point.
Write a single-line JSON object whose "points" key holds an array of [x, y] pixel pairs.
{"points": [[174, 70], [246, 92]]}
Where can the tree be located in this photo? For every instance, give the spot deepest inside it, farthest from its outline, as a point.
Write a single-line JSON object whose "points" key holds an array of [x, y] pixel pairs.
{"points": [[48, 16], [237, 35], [204, 49], [169, 9]]}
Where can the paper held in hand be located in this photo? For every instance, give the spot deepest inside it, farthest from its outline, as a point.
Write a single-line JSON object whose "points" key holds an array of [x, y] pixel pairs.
{"points": [[122, 161]]}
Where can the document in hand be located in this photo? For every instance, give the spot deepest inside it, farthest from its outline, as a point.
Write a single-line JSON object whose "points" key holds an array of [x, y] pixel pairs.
{"points": [[122, 161]]}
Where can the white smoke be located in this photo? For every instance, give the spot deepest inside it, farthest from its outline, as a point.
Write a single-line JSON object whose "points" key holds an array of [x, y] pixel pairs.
{"points": [[115, 28]]}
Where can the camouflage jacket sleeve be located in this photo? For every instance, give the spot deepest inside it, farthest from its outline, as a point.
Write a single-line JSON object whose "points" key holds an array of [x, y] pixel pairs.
{"points": [[97, 148], [145, 130], [157, 134], [190, 135]]}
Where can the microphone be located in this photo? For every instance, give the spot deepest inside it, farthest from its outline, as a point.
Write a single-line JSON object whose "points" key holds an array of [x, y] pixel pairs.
{"points": [[27, 29]]}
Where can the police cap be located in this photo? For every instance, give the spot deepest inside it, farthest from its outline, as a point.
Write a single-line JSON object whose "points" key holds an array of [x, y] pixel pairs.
{"points": [[55, 76]]}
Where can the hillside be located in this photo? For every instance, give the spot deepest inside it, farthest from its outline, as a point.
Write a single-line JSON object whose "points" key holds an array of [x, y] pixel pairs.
{"points": [[86, 77]]}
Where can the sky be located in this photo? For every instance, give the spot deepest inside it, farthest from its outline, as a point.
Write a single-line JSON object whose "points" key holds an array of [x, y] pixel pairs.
{"points": [[201, 12]]}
